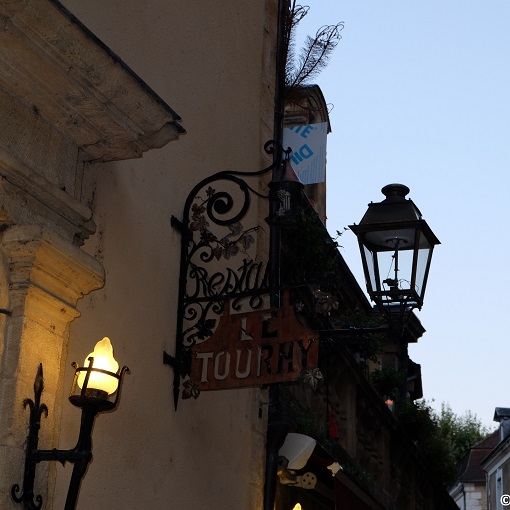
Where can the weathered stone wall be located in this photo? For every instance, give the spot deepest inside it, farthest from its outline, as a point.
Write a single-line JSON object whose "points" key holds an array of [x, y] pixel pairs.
{"points": [[51, 117]]}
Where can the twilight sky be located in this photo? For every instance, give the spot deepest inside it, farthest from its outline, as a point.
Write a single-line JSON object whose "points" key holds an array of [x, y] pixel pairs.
{"points": [[420, 95]]}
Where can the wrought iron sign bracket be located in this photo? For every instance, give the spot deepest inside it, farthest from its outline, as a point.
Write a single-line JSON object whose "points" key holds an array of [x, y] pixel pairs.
{"points": [[218, 268]]}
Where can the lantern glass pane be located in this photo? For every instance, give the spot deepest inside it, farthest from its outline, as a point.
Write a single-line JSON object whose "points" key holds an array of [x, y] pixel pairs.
{"points": [[371, 266], [396, 268], [421, 267]]}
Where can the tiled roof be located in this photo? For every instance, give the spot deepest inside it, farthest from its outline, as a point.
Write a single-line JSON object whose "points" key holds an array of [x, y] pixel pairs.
{"points": [[470, 468]]}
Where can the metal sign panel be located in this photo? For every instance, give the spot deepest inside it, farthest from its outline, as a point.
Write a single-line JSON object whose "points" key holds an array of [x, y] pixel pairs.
{"points": [[253, 348]]}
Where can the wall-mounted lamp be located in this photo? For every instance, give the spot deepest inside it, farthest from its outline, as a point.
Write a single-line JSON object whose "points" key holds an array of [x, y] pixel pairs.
{"points": [[293, 455], [396, 247], [296, 450], [99, 379]]}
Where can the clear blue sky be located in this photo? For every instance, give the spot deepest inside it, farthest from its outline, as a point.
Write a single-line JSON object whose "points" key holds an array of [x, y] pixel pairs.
{"points": [[421, 96]]}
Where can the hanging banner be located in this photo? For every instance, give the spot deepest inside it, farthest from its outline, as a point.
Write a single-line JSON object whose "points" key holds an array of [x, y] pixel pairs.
{"points": [[254, 348], [308, 156]]}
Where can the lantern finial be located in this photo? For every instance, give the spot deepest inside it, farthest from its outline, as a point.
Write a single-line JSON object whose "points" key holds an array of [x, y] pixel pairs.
{"points": [[395, 191]]}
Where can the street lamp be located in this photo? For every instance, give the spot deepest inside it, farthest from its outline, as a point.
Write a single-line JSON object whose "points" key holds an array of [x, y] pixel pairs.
{"points": [[396, 247], [99, 379]]}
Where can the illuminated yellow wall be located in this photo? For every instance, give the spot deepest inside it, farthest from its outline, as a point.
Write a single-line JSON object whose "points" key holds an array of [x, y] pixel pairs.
{"points": [[213, 63]]}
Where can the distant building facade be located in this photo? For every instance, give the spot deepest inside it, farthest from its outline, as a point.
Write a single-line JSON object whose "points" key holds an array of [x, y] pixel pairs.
{"points": [[497, 464], [470, 490]]}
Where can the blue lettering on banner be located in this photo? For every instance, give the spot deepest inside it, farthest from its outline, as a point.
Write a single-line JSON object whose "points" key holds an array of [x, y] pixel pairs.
{"points": [[303, 153], [302, 130], [308, 151]]}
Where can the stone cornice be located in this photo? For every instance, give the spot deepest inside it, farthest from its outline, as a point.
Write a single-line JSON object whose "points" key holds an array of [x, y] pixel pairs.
{"points": [[56, 66], [38, 258]]}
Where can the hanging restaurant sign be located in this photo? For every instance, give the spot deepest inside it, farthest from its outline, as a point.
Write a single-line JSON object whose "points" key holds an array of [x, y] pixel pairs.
{"points": [[220, 270], [249, 349]]}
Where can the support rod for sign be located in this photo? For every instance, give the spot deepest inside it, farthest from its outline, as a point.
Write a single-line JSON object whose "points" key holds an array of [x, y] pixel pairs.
{"points": [[278, 426], [207, 205]]}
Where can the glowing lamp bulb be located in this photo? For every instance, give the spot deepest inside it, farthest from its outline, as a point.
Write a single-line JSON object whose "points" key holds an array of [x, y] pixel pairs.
{"points": [[103, 359]]}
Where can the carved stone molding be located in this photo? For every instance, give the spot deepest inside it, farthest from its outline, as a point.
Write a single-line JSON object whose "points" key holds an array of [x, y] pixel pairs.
{"points": [[39, 258], [59, 68], [45, 277]]}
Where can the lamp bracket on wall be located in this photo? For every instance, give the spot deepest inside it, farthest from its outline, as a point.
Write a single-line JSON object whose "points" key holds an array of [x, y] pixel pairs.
{"points": [[81, 454], [219, 261]]}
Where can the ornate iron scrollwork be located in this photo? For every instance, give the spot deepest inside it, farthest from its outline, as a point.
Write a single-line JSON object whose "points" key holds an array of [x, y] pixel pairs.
{"points": [[216, 265]]}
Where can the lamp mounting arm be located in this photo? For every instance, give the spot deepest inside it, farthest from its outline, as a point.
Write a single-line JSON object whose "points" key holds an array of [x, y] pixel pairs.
{"points": [[80, 455]]}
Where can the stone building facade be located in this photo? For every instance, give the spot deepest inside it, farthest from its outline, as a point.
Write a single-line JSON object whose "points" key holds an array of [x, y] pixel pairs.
{"points": [[76, 218], [94, 164], [470, 489], [497, 463]]}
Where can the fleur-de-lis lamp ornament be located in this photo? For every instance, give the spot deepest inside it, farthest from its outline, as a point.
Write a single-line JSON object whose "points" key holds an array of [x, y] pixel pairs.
{"points": [[100, 381]]}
